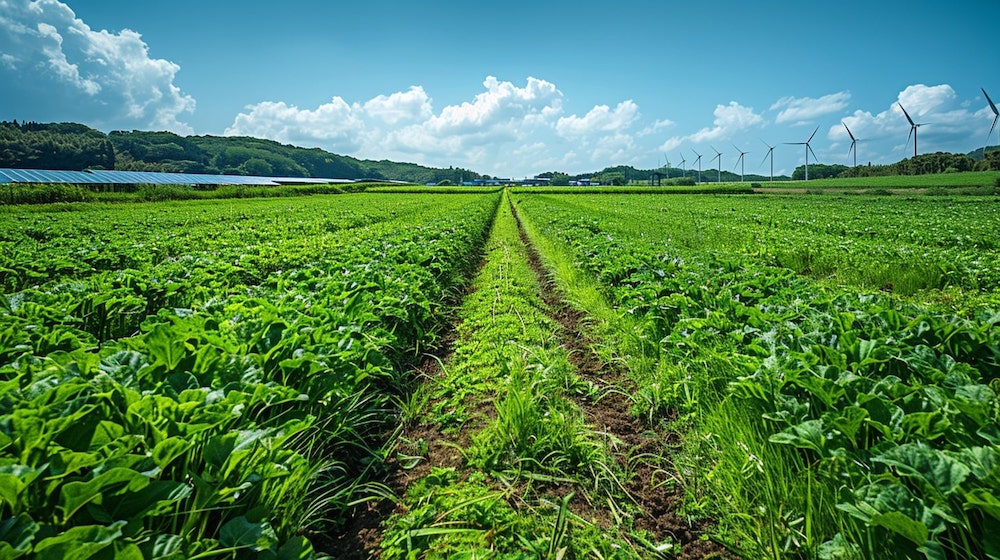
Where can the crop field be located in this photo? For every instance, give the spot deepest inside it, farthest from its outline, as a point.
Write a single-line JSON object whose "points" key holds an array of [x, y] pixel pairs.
{"points": [[504, 374], [945, 181]]}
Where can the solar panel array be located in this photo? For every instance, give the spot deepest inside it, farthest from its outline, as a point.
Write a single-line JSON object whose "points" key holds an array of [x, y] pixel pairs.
{"points": [[148, 178]]}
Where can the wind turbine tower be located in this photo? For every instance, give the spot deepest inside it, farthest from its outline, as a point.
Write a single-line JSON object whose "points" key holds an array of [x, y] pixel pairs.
{"points": [[996, 116], [683, 169], [913, 130], [740, 160], [698, 161], [808, 149], [718, 156], [854, 144], [770, 153]]}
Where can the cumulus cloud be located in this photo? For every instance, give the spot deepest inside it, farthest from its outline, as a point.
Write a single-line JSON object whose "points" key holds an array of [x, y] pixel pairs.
{"points": [[503, 128], [108, 76], [729, 120], [949, 122], [801, 110], [600, 119]]}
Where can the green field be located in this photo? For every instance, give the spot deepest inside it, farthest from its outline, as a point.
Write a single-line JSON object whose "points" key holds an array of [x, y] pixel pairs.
{"points": [[525, 373], [982, 179]]}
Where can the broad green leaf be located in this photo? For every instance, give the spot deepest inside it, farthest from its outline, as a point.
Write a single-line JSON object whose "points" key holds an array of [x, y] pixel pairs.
{"points": [[169, 449], [18, 532], [916, 460], [165, 547], [75, 495], [297, 548], [14, 479], [927, 425], [241, 533], [983, 500], [932, 550], [78, 542], [901, 524], [137, 503], [848, 421], [164, 346], [807, 435]]}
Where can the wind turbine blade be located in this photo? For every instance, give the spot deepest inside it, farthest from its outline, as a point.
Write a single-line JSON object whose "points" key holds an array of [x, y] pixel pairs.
{"points": [[808, 147], [762, 161], [766, 144], [992, 127], [992, 106], [811, 135], [905, 113], [848, 131], [912, 128]]}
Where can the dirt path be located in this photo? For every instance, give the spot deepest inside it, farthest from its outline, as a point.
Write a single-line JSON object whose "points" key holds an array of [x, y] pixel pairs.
{"points": [[641, 449]]}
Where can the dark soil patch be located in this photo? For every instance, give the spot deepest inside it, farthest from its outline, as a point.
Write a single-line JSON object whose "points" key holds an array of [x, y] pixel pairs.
{"points": [[641, 448]]}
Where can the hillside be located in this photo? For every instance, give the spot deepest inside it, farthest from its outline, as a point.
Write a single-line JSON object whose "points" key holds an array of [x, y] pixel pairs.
{"points": [[75, 146]]}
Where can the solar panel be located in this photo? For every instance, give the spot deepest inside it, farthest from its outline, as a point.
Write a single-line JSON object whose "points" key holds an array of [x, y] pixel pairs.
{"points": [[100, 176]]}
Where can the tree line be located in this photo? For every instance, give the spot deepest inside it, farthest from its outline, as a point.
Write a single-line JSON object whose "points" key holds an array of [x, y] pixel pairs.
{"points": [[72, 146]]}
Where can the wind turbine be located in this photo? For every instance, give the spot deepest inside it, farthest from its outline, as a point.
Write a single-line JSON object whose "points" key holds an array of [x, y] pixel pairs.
{"points": [[698, 161], [770, 152], [683, 169], [854, 144], [718, 156], [667, 167], [740, 160], [808, 149], [913, 130], [996, 116]]}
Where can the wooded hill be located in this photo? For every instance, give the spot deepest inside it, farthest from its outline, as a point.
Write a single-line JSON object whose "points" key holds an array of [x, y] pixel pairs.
{"points": [[74, 146]]}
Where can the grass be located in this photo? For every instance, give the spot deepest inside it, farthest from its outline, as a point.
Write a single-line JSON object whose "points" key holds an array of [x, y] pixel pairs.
{"points": [[505, 391], [949, 181]]}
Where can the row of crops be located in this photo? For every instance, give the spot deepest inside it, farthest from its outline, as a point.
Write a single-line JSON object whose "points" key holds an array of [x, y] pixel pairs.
{"points": [[205, 379], [227, 378], [824, 419]]}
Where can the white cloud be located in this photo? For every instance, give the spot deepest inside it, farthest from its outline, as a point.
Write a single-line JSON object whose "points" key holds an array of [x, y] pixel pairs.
{"points": [[949, 124], [729, 120], [409, 106], [801, 110], [601, 119], [336, 124], [505, 128], [404, 125], [111, 76]]}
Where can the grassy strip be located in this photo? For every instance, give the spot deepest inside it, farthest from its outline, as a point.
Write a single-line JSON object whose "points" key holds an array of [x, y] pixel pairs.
{"points": [[533, 477]]}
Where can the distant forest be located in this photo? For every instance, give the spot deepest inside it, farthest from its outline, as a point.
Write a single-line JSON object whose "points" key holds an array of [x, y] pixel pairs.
{"points": [[72, 146]]}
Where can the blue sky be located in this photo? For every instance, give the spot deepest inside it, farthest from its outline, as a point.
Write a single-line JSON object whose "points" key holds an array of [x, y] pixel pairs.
{"points": [[519, 87]]}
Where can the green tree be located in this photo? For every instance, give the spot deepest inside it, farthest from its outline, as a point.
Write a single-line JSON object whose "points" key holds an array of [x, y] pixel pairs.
{"points": [[258, 167]]}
